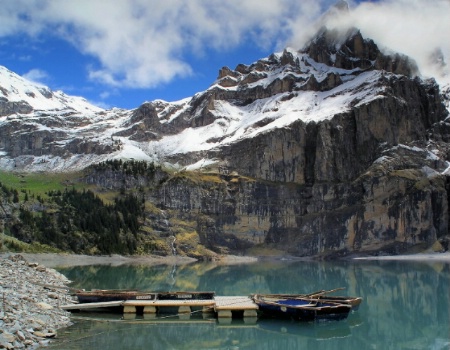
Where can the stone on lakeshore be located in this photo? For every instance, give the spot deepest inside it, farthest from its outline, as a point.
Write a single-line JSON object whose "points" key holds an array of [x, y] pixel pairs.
{"points": [[4, 345], [33, 264], [53, 295], [16, 258], [16, 327], [6, 340], [39, 334], [20, 335], [28, 342], [44, 306]]}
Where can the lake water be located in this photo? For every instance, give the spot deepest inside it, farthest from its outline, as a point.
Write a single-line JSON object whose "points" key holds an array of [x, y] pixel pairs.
{"points": [[406, 306]]}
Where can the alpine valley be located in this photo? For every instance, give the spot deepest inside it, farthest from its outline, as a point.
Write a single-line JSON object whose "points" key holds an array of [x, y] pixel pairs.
{"points": [[333, 150]]}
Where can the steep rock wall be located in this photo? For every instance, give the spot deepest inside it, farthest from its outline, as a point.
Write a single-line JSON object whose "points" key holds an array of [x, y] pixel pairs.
{"points": [[307, 153], [391, 208]]}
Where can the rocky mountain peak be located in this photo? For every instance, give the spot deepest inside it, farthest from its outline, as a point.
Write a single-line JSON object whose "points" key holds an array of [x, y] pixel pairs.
{"points": [[350, 50], [332, 74], [21, 96], [342, 5]]}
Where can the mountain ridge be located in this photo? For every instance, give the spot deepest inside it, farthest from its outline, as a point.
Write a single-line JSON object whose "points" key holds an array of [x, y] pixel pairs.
{"points": [[332, 150], [239, 104]]}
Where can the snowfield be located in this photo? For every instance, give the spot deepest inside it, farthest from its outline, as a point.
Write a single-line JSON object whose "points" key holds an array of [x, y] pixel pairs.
{"points": [[74, 118]]}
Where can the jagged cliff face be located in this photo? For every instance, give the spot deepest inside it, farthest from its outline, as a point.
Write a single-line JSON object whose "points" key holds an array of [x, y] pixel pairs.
{"points": [[369, 178], [332, 150], [398, 203]]}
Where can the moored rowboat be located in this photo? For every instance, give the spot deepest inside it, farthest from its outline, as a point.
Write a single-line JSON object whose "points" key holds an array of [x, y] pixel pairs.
{"points": [[108, 295], [301, 309], [322, 296]]}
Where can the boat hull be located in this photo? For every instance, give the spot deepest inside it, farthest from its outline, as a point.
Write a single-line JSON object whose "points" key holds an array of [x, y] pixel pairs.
{"points": [[185, 295], [100, 296], [354, 302], [302, 310]]}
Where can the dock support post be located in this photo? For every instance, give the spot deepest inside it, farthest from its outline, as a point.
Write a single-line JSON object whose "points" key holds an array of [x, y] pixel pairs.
{"points": [[149, 310], [207, 310], [129, 309], [184, 310], [224, 314], [149, 316], [225, 320], [250, 313]]}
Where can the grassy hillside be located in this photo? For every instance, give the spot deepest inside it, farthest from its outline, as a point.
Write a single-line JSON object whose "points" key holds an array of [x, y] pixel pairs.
{"points": [[62, 212], [41, 183]]}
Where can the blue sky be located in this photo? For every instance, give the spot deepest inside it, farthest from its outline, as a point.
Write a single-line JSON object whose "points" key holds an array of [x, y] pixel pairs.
{"points": [[58, 64], [120, 53]]}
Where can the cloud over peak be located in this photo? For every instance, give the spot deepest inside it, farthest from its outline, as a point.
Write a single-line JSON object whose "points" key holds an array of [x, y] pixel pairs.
{"points": [[145, 43], [417, 28]]}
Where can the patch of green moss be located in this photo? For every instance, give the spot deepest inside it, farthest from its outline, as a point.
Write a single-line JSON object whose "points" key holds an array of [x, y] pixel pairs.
{"points": [[410, 174], [14, 245]]}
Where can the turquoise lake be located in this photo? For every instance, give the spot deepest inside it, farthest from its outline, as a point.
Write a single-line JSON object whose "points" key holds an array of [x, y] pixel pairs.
{"points": [[406, 306]]}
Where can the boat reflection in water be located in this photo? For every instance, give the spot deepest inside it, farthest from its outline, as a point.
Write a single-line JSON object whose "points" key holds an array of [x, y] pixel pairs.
{"points": [[198, 332]]}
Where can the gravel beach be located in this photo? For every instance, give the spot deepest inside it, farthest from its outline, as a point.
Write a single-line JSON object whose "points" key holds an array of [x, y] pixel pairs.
{"points": [[29, 312], [31, 290]]}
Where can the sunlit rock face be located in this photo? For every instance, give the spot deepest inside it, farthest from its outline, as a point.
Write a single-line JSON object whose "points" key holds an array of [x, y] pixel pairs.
{"points": [[335, 149]]}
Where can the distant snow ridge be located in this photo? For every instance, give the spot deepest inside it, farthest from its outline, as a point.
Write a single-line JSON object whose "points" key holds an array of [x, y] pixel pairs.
{"points": [[14, 88], [45, 130]]}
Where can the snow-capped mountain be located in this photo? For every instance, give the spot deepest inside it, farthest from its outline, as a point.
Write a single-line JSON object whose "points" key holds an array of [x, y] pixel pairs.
{"points": [[333, 75], [26, 96], [333, 149]]}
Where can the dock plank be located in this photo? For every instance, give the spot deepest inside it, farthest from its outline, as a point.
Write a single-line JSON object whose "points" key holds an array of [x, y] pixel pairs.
{"points": [[219, 303], [167, 303], [85, 306], [234, 303]]}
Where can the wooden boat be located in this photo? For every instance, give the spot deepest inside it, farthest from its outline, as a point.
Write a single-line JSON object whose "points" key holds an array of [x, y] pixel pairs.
{"points": [[106, 295], [323, 296], [185, 295], [301, 309], [354, 302]]}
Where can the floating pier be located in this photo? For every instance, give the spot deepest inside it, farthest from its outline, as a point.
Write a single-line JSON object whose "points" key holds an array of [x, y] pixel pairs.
{"points": [[222, 306]]}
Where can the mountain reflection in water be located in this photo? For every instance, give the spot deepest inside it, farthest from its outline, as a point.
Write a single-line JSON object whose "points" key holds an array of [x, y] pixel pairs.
{"points": [[406, 305]]}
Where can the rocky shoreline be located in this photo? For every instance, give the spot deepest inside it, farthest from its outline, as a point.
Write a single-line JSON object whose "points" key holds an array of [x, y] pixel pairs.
{"points": [[30, 293], [29, 307], [56, 260]]}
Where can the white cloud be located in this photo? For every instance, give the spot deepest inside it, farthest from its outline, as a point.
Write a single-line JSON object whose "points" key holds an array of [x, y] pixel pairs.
{"points": [[36, 75], [412, 27], [143, 43], [104, 95]]}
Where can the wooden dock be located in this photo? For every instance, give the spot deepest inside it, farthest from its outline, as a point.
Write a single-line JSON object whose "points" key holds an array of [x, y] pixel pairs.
{"points": [[223, 306]]}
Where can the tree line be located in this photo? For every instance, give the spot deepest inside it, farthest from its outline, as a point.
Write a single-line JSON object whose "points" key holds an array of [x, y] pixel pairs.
{"points": [[129, 167], [79, 221]]}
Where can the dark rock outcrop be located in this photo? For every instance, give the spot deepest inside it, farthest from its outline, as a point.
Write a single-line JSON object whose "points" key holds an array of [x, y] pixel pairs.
{"points": [[9, 108], [351, 51]]}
